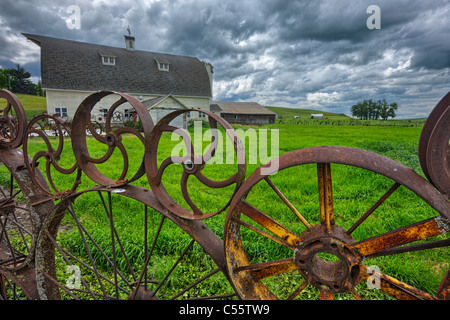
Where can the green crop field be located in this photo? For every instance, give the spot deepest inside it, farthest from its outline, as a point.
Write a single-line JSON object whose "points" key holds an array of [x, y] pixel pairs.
{"points": [[354, 191]]}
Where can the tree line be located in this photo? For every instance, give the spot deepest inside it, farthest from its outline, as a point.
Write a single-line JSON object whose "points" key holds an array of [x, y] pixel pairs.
{"points": [[18, 80], [374, 110]]}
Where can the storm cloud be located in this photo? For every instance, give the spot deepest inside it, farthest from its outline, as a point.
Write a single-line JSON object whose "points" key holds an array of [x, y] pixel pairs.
{"points": [[307, 54]]}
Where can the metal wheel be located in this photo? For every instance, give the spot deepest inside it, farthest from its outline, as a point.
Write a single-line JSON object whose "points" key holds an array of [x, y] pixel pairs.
{"points": [[193, 164], [114, 240], [434, 146], [49, 158], [23, 207], [12, 121], [117, 117], [113, 243], [112, 140], [326, 250]]}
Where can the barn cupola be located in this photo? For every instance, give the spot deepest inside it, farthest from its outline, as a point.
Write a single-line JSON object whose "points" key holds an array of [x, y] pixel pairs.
{"points": [[129, 40]]}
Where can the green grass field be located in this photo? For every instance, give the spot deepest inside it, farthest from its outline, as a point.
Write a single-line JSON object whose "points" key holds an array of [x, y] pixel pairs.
{"points": [[32, 104], [305, 113], [354, 191]]}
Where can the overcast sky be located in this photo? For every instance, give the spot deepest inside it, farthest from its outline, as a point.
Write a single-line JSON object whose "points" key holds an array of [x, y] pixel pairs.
{"points": [[306, 54]]}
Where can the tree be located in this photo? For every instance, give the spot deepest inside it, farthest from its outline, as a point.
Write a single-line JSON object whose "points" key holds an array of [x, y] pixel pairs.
{"points": [[373, 110], [3, 79], [20, 82]]}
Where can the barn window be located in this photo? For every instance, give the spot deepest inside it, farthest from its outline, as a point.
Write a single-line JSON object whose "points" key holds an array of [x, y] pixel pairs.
{"points": [[163, 65], [109, 60], [61, 112]]}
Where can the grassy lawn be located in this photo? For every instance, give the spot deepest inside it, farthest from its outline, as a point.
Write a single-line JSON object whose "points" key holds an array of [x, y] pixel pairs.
{"points": [[354, 191], [32, 104]]}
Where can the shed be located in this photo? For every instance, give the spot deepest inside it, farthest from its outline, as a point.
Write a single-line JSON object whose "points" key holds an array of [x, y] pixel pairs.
{"points": [[243, 112], [161, 106]]}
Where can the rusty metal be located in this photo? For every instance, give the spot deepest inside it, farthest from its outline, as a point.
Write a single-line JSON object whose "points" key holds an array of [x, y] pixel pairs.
{"points": [[434, 148], [112, 138], [12, 122], [347, 269], [192, 163], [52, 209], [53, 204]]}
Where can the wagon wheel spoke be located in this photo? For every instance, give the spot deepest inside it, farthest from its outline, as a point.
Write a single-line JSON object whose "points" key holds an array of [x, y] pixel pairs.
{"points": [[216, 184], [373, 208], [214, 140], [184, 135], [184, 191], [283, 233], [325, 295], [325, 195], [164, 164], [444, 287], [268, 269], [287, 202], [394, 287], [414, 232], [107, 267]]}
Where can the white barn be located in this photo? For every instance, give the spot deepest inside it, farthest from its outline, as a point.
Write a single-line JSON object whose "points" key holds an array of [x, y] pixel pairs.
{"points": [[72, 70]]}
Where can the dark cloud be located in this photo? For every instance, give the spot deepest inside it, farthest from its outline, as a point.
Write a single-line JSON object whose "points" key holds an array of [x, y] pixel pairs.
{"points": [[313, 54]]}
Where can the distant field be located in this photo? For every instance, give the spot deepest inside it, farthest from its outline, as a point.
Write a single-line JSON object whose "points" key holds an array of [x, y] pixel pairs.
{"points": [[288, 116], [354, 191], [32, 104], [305, 113]]}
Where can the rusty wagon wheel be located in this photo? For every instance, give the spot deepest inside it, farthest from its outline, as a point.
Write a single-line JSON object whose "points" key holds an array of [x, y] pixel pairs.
{"points": [[16, 233], [23, 208], [114, 240], [120, 243], [111, 140], [312, 245], [12, 121], [193, 163], [434, 146]]}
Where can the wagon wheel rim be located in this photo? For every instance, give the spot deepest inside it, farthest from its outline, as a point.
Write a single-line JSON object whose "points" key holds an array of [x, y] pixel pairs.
{"points": [[192, 165], [430, 125], [342, 274], [119, 275], [23, 208], [112, 139], [48, 158], [13, 121]]}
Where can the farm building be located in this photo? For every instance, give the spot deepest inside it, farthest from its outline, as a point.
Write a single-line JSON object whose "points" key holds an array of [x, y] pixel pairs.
{"points": [[72, 70], [316, 115], [159, 107], [243, 112]]}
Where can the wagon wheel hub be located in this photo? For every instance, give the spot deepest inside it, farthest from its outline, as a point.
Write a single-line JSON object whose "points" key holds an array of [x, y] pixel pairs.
{"points": [[193, 164], [326, 261], [142, 293]]}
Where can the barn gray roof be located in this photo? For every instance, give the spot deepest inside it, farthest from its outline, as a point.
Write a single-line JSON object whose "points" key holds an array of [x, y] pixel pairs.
{"points": [[241, 108], [72, 65]]}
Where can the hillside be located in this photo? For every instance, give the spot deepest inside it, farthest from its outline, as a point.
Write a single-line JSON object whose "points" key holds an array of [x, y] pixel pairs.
{"points": [[32, 104], [305, 113]]}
